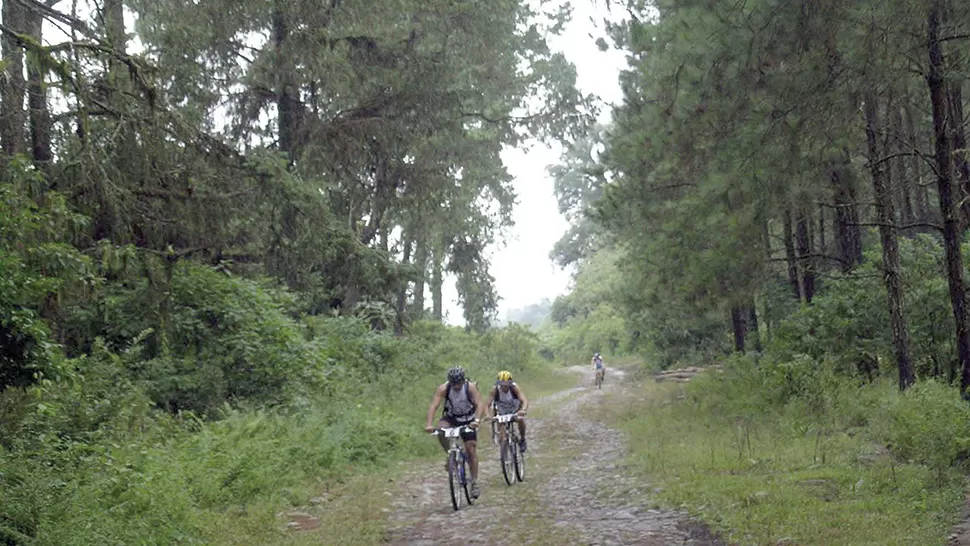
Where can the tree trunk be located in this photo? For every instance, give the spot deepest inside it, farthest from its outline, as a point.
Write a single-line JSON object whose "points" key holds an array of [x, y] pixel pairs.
{"points": [[383, 240], [849, 234], [900, 186], [12, 85], [803, 241], [952, 236], [752, 326], [955, 97], [402, 293], [40, 119], [113, 14], [790, 257], [437, 258], [421, 263], [287, 93], [921, 201], [738, 327], [767, 319], [886, 217], [821, 230]]}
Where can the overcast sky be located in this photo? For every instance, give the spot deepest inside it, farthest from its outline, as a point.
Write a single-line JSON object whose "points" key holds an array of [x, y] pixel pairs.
{"points": [[522, 269]]}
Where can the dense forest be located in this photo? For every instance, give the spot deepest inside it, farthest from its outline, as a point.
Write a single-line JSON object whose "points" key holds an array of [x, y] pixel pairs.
{"points": [[786, 173], [223, 223], [219, 222], [783, 192]]}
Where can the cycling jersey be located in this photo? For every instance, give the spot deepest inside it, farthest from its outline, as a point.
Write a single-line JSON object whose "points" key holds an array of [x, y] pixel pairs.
{"points": [[459, 406]]}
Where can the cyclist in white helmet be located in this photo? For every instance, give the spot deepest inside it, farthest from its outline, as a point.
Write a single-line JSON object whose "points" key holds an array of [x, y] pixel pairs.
{"points": [[463, 406], [597, 363]]}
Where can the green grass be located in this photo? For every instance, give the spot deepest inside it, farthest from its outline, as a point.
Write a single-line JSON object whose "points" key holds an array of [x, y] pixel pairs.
{"points": [[780, 476], [543, 382], [231, 481], [351, 512]]}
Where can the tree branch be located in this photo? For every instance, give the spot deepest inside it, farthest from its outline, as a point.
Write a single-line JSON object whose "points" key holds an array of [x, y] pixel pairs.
{"points": [[899, 227], [503, 119], [47, 9]]}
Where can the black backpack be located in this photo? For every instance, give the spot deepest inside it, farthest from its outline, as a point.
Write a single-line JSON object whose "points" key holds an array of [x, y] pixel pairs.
{"points": [[447, 409]]}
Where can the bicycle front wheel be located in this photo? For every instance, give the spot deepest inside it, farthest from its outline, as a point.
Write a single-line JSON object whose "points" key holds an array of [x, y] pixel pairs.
{"points": [[466, 479], [454, 481], [508, 462], [518, 458]]}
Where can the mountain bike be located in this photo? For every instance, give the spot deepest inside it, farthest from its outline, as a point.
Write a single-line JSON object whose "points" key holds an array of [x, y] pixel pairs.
{"points": [[459, 474], [510, 448], [599, 377]]}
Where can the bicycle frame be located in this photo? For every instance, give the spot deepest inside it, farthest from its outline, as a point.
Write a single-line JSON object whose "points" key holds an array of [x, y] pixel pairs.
{"points": [[456, 452], [513, 462], [506, 421], [455, 444]]}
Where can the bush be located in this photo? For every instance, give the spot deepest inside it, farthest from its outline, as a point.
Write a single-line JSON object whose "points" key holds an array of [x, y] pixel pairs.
{"points": [[92, 463], [204, 339], [37, 268], [929, 425]]}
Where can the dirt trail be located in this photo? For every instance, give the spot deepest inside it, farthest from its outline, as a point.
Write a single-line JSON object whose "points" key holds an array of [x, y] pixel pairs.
{"points": [[576, 490]]}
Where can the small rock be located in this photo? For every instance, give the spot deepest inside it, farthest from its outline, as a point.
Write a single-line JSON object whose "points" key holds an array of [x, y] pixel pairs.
{"points": [[304, 523]]}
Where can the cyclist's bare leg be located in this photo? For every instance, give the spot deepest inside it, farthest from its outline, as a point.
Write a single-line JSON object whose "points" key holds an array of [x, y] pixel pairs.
{"points": [[471, 449]]}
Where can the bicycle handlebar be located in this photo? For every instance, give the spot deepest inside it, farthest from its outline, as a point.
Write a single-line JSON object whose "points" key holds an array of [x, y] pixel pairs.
{"points": [[451, 432]]}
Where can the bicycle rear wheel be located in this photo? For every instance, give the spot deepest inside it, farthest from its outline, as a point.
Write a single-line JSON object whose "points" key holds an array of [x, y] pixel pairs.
{"points": [[454, 481], [508, 462], [466, 479]]}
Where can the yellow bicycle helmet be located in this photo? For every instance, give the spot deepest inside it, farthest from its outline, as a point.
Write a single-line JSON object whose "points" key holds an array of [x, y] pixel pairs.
{"points": [[504, 376]]}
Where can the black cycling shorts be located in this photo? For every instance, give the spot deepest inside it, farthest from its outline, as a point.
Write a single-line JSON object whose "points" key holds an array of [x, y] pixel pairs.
{"points": [[468, 436]]}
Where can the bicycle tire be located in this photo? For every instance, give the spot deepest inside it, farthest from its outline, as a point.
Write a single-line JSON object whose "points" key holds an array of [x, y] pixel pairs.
{"points": [[518, 458], [454, 481], [508, 465], [465, 483]]}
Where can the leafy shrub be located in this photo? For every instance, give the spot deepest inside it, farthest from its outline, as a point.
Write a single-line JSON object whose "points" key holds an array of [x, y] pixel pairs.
{"points": [[37, 266], [201, 338], [848, 322], [929, 424], [95, 464]]}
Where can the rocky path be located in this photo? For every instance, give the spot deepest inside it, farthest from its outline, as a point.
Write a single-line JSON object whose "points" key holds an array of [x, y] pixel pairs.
{"points": [[576, 489]]}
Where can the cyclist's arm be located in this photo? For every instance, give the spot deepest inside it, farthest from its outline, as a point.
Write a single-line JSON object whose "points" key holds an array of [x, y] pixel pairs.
{"points": [[491, 402], [521, 396], [435, 402]]}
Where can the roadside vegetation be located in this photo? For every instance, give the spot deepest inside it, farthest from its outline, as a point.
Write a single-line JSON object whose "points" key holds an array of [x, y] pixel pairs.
{"points": [[782, 192]]}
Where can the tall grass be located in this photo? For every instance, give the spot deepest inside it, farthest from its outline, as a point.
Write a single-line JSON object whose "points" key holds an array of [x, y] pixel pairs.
{"points": [[78, 473], [766, 458]]}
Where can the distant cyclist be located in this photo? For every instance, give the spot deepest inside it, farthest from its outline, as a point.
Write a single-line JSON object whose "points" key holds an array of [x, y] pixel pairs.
{"points": [[506, 397], [598, 367], [463, 406]]}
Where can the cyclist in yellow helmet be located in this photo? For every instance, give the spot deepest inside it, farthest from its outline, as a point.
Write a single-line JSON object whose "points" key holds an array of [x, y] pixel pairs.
{"points": [[506, 397]]}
